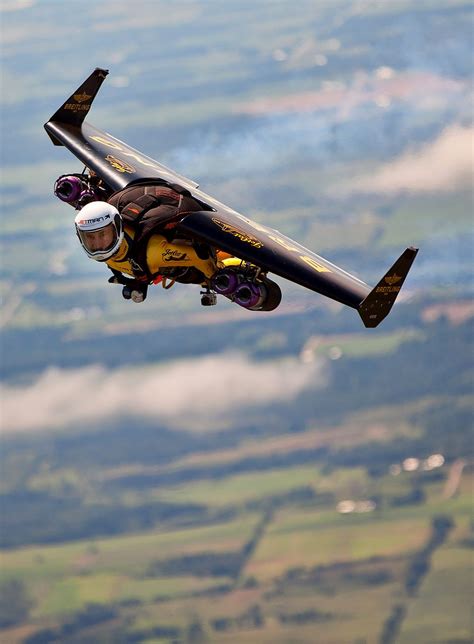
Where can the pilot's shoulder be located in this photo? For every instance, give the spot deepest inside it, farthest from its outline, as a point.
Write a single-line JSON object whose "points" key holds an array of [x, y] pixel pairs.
{"points": [[128, 230]]}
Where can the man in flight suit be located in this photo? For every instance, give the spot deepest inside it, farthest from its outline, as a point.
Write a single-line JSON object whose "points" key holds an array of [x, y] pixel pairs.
{"points": [[133, 233]]}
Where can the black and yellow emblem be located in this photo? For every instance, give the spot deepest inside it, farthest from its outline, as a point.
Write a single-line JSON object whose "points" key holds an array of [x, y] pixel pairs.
{"points": [[82, 98], [238, 233], [393, 279], [82, 103], [119, 165], [171, 255]]}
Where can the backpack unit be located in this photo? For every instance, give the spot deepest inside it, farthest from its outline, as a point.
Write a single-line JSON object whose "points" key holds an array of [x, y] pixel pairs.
{"points": [[149, 208]]}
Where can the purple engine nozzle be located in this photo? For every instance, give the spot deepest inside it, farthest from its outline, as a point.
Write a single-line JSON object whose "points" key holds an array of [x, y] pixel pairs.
{"points": [[225, 282], [250, 295], [68, 188]]}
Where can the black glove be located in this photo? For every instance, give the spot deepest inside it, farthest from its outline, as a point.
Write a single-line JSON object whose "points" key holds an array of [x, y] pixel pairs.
{"points": [[132, 289], [135, 291]]}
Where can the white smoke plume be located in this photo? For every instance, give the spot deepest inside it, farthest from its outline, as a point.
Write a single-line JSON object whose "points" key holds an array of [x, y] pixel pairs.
{"points": [[443, 165], [190, 394]]}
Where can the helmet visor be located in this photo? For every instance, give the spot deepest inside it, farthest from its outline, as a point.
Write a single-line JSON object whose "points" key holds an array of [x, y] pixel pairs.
{"points": [[99, 241]]}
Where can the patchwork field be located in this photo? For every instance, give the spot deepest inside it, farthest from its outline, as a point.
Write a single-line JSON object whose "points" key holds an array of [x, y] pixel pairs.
{"points": [[300, 571], [307, 539]]}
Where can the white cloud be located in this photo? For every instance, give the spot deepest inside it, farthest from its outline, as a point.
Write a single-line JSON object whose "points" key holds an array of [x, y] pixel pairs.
{"points": [[16, 5], [192, 394], [443, 165]]}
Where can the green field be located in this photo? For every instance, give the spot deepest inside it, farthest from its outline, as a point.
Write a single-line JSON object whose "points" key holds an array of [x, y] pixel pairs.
{"points": [[362, 561], [125, 554], [443, 609], [236, 490], [306, 539]]}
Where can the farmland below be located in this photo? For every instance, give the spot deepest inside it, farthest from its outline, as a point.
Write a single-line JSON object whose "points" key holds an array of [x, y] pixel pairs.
{"points": [[280, 524]]}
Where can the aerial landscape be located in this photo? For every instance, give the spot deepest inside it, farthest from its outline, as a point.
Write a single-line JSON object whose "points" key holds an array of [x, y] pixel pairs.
{"points": [[176, 473]]}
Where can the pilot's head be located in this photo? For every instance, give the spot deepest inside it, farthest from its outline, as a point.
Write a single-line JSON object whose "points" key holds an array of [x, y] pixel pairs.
{"points": [[100, 230]]}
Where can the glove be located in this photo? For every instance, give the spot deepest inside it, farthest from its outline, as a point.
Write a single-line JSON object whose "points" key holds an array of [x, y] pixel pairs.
{"points": [[132, 289], [135, 293]]}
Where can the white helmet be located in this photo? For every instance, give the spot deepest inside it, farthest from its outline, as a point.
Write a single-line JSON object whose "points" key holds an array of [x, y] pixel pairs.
{"points": [[99, 228]]}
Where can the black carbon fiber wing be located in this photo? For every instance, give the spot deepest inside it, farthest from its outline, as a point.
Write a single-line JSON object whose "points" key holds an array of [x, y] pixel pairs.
{"points": [[273, 252], [117, 163], [376, 306], [120, 165]]}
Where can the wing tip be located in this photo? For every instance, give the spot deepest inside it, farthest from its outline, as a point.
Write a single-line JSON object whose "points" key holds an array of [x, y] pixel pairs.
{"points": [[75, 109], [378, 303]]}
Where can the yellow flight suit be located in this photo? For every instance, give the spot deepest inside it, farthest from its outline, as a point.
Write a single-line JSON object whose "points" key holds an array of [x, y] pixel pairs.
{"points": [[162, 254]]}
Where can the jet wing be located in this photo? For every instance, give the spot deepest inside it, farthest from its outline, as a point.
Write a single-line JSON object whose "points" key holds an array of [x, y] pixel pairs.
{"points": [[278, 254], [119, 165], [114, 161]]}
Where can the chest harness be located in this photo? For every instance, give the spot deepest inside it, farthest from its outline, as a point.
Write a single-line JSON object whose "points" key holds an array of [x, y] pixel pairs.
{"points": [[147, 208]]}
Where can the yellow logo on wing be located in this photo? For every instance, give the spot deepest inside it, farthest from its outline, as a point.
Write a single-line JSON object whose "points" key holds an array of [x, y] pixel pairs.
{"points": [[314, 264], [238, 233], [81, 98], [119, 165], [392, 279], [77, 106]]}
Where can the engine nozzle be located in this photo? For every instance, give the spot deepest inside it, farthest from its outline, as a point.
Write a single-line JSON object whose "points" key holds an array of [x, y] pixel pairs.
{"points": [[74, 190], [225, 282], [68, 188], [250, 295]]}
